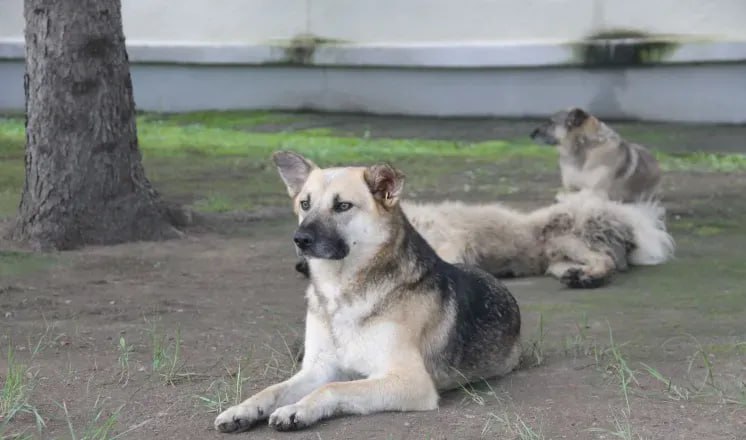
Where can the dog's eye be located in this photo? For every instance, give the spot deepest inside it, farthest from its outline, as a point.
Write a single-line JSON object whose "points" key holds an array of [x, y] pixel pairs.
{"points": [[342, 206], [305, 204]]}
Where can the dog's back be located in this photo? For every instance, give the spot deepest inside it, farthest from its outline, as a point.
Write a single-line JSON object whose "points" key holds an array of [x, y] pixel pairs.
{"points": [[637, 176], [484, 340]]}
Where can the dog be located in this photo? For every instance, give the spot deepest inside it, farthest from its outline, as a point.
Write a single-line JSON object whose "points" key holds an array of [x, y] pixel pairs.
{"points": [[389, 324], [582, 240], [592, 156]]}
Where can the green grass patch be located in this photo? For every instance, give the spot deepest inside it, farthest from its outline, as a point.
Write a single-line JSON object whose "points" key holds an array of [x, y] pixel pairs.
{"points": [[170, 138], [19, 263], [16, 392], [709, 162]]}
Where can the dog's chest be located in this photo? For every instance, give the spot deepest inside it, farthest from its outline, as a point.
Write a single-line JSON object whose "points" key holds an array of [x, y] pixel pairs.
{"points": [[361, 347], [361, 342], [572, 173]]}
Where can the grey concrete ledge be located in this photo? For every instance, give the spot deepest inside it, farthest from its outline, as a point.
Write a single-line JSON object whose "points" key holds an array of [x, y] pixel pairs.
{"points": [[431, 55]]}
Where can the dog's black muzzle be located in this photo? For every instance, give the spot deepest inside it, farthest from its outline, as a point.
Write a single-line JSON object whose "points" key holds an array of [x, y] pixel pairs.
{"points": [[540, 135], [315, 240]]}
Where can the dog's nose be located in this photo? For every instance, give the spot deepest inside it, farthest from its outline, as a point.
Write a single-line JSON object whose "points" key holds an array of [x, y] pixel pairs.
{"points": [[303, 240]]}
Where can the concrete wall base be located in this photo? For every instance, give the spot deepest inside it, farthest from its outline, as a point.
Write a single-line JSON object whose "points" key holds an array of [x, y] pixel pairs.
{"points": [[683, 90]]}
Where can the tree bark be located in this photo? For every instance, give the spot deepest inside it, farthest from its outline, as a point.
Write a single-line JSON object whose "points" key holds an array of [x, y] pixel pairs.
{"points": [[85, 183]]}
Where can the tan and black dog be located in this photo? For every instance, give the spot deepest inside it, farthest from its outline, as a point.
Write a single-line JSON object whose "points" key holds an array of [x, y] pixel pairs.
{"points": [[388, 323], [594, 157]]}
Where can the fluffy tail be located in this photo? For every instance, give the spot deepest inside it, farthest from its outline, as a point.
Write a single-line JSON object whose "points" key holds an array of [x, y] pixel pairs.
{"points": [[653, 244]]}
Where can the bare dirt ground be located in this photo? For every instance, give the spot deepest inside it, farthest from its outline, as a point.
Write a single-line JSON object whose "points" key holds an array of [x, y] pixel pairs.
{"points": [[227, 296]]}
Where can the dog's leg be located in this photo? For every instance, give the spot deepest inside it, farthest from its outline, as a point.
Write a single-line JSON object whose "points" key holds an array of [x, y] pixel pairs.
{"points": [[576, 265], [318, 369], [401, 390]]}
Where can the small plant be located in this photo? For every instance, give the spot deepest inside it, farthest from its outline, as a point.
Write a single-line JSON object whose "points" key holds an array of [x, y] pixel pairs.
{"points": [[513, 426], [618, 367], [20, 382], [284, 362], [99, 426], [675, 392], [166, 356], [533, 353], [622, 428], [223, 393], [124, 360]]}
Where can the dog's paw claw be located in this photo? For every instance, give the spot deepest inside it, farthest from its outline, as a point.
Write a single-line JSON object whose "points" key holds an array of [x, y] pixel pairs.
{"points": [[288, 418], [577, 279], [236, 419]]}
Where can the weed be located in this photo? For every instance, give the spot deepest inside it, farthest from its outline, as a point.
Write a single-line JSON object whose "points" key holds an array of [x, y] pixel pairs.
{"points": [[621, 429], [166, 356], [284, 362], [619, 367], [675, 392], [533, 353], [581, 344], [20, 382], [124, 360], [513, 426], [223, 393], [99, 426]]}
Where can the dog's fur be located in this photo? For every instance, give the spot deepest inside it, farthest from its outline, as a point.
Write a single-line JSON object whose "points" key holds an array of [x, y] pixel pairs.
{"points": [[582, 240], [595, 157], [388, 323]]}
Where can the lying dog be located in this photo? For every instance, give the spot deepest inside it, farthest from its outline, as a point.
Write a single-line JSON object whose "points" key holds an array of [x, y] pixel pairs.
{"points": [[388, 323], [595, 157], [582, 240]]}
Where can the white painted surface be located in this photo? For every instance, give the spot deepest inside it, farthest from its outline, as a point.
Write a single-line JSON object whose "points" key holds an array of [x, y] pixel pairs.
{"points": [[432, 55], [678, 93], [420, 57], [407, 21]]}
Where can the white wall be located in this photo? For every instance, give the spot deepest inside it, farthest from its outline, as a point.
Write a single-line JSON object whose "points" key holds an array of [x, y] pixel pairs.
{"points": [[407, 21]]}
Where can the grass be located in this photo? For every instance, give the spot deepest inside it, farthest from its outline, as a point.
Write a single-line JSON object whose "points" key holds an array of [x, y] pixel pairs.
{"points": [[619, 368], [14, 263], [15, 398], [166, 359], [167, 136], [124, 360], [223, 393], [99, 425], [513, 426], [533, 353], [622, 428]]}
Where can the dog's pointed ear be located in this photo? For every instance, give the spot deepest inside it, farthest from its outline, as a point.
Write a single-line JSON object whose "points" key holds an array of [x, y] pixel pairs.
{"points": [[294, 170], [386, 184], [576, 117]]}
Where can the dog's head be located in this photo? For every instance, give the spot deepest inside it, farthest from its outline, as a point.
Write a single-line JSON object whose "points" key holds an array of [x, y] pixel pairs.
{"points": [[341, 211], [562, 126]]}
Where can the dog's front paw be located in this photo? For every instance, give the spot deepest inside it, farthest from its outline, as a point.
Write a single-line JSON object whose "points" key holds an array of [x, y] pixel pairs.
{"points": [[576, 278], [291, 418], [238, 418]]}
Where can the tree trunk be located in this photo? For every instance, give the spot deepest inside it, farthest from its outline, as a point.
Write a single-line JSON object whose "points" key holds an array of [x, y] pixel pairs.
{"points": [[85, 183]]}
